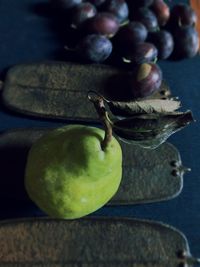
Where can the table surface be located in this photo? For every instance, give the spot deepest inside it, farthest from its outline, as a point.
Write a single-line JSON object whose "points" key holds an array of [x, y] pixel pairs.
{"points": [[27, 35]]}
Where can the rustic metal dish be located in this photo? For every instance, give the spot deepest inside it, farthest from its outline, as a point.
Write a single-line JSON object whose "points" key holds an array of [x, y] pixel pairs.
{"points": [[58, 90], [148, 175], [96, 242]]}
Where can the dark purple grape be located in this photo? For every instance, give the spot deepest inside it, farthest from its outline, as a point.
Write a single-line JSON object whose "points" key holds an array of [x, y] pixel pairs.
{"points": [[83, 12], [162, 11], [142, 53], [146, 80], [186, 41], [119, 8], [103, 23], [147, 17], [130, 34], [164, 42], [64, 4], [183, 15], [97, 3], [95, 48]]}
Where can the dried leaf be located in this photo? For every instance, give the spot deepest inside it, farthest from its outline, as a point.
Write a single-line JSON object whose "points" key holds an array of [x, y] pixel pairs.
{"points": [[92, 242], [151, 130], [143, 106]]}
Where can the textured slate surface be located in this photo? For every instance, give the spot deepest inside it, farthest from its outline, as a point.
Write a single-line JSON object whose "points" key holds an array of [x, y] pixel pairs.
{"points": [[97, 242], [56, 89], [59, 89]]}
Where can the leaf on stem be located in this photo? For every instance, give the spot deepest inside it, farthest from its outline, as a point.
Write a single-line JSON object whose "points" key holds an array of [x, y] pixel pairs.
{"points": [[151, 130], [143, 107]]}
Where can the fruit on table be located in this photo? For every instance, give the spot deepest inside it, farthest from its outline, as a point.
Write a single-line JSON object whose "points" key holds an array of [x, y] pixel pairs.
{"points": [[94, 47], [128, 22], [119, 8], [145, 80], [186, 42], [147, 17], [141, 53], [69, 174], [164, 42], [130, 34], [82, 12], [103, 23], [162, 11], [183, 15]]}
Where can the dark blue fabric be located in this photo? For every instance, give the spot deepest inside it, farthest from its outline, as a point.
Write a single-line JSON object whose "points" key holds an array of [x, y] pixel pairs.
{"points": [[28, 35]]}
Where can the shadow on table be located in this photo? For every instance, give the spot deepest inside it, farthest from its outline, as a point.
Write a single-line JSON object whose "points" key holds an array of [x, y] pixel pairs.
{"points": [[14, 201], [59, 24]]}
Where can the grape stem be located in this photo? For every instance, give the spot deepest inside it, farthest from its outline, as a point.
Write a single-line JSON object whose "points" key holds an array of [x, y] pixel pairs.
{"points": [[98, 102]]}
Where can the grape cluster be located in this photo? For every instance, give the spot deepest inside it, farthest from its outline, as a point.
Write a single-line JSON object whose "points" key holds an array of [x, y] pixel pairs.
{"points": [[136, 32]]}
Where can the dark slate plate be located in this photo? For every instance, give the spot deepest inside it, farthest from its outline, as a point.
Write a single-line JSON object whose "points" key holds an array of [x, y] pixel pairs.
{"points": [[59, 89], [148, 175], [94, 242]]}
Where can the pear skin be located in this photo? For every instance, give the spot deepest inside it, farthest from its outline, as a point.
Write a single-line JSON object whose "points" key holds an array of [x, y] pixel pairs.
{"points": [[68, 175]]}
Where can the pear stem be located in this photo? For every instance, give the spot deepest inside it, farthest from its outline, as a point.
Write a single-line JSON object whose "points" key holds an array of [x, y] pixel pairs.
{"points": [[108, 132], [98, 102]]}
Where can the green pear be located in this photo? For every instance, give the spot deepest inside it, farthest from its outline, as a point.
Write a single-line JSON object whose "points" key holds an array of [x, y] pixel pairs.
{"points": [[68, 173]]}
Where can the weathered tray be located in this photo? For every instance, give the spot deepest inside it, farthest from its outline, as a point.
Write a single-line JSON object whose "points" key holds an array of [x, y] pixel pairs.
{"points": [[92, 242], [58, 90], [148, 175]]}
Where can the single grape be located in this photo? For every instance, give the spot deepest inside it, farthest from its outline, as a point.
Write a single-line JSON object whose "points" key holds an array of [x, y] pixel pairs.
{"points": [[130, 34], [162, 11], [103, 23], [64, 4], [186, 41], [183, 15], [145, 80], [141, 53], [164, 42], [119, 8], [83, 12], [95, 48], [148, 18]]}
